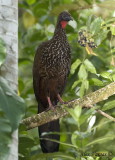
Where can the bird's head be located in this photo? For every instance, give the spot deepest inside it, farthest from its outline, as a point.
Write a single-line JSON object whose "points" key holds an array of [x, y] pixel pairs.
{"points": [[64, 18]]}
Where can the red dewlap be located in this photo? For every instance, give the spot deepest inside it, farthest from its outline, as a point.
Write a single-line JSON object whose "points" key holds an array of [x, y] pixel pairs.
{"points": [[63, 24]]}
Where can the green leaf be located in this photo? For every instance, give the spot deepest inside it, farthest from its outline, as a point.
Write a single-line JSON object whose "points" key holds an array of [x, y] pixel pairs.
{"points": [[79, 138], [11, 104], [28, 19], [4, 151], [2, 51], [66, 144], [112, 28], [82, 74], [89, 66], [113, 77], [101, 140], [26, 142], [71, 111], [82, 89], [5, 135], [90, 158], [109, 105], [86, 84], [89, 21], [106, 75], [53, 155], [96, 25], [84, 117], [73, 139], [75, 65], [75, 84], [77, 111], [82, 158], [101, 36], [94, 81], [30, 2]]}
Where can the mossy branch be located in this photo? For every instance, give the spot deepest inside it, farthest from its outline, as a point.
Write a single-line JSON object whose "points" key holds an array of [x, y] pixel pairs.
{"points": [[87, 101]]}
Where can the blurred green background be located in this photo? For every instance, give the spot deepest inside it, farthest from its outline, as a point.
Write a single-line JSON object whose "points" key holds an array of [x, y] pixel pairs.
{"points": [[87, 134]]}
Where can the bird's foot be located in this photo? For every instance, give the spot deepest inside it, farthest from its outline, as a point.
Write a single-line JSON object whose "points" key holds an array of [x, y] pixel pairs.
{"points": [[50, 105], [60, 99], [50, 108]]}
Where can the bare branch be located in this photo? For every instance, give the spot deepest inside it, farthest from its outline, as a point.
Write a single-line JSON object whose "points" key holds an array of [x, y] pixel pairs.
{"points": [[106, 115], [103, 113], [87, 101]]}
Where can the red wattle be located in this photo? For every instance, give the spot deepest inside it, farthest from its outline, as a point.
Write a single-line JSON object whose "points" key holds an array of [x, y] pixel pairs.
{"points": [[63, 24]]}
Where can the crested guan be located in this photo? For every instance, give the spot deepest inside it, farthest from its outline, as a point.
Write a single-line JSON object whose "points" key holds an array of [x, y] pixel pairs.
{"points": [[50, 70]]}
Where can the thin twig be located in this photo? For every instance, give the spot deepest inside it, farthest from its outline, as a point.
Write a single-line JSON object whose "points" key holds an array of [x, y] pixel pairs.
{"points": [[105, 115]]}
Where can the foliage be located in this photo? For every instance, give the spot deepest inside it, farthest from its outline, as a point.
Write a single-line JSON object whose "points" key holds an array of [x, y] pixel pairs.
{"points": [[11, 112], [87, 135]]}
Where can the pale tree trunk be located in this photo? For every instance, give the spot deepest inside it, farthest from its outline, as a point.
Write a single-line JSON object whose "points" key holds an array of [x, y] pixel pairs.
{"points": [[9, 70]]}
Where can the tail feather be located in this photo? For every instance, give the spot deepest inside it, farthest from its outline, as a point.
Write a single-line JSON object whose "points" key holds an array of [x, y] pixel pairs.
{"points": [[47, 145]]}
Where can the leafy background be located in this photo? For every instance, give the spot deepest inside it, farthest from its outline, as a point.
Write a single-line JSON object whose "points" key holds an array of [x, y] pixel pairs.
{"points": [[84, 133]]}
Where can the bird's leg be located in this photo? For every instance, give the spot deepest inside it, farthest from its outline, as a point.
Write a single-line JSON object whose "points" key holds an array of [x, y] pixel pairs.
{"points": [[60, 99], [50, 103]]}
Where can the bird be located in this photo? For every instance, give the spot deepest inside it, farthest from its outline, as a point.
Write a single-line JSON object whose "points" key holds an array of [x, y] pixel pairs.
{"points": [[51, 68]]}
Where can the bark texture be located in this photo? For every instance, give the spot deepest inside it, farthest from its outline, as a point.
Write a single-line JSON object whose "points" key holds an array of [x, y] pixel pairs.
{"points": [[9, 70]]}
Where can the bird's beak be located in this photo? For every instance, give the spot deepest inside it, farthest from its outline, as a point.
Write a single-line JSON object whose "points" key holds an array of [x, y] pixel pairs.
{"points": [[71, 19]]}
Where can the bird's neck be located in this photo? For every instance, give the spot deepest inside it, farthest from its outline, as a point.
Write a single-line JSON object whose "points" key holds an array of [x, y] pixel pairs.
{"points": [[60, 33]]}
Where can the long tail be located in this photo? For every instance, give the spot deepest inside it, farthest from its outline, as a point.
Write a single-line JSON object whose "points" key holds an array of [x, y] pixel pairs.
{"points": [[47, 145]]}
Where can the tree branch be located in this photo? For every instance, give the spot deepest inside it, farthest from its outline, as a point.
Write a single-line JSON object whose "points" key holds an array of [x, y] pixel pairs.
{"points": [[87, 101], [106, 115], [103, 113]]}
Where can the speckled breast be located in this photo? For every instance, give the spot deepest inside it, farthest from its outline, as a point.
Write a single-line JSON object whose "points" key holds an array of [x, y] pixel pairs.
{"points": [[56, 58]]}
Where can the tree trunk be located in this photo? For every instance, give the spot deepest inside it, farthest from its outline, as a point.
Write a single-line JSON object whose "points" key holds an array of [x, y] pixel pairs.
{"points": [[9, 70]]}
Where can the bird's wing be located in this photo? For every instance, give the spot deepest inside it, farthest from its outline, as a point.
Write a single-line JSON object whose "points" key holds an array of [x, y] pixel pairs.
{"points": [[37, 71]]}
